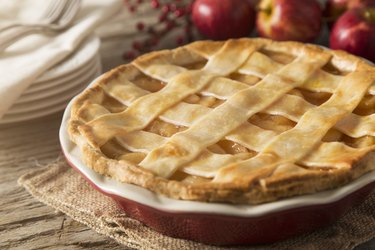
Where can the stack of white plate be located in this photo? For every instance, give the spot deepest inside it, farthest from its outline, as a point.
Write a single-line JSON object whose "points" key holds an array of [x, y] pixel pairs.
{"points": [[54, 89]]}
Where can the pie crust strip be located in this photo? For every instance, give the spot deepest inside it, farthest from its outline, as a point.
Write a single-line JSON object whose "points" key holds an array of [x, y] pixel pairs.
{"points": [[208, 163], [289, 106], [145, 142], [296, 143], [247, 134], [260, 65], [144, 109], [222, 88], [185, 146], [184, 114]]}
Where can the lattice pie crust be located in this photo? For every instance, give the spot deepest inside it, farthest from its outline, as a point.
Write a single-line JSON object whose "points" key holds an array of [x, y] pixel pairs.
{"points": [[240, 121]]}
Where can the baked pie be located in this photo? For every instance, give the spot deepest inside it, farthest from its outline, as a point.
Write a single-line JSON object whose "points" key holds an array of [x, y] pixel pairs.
{"points": [[237, 121]]}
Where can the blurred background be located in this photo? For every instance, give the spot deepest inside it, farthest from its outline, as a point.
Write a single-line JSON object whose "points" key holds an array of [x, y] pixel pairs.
{"points": [[145, 25]]}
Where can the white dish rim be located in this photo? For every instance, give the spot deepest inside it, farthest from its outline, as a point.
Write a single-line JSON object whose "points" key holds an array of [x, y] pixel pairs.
{"points": [[159, 202]]}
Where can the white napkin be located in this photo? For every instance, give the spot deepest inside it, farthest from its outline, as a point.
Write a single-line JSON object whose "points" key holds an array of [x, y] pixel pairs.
{"points": [[22, 63]]}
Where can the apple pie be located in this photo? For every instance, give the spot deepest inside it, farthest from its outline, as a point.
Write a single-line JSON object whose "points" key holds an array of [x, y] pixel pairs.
{"points": [[237, 121]]}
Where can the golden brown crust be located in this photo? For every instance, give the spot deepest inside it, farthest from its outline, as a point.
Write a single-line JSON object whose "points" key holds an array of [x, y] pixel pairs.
{"points": [[289, 180]]}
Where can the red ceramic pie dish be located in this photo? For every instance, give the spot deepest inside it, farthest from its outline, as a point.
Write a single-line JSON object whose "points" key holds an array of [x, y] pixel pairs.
{"points": [[219, 229], [218, 223]]}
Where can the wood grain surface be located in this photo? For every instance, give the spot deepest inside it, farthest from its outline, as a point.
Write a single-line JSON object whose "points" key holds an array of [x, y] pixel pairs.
{"points": [[26, 223]]}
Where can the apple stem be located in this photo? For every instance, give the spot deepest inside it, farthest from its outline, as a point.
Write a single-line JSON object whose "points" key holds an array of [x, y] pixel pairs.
{"points": [[267, 11], [370, 15]]}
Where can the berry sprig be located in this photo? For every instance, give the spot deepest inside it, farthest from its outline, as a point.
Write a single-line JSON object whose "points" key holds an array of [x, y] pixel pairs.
{"points": [[171, 15]]}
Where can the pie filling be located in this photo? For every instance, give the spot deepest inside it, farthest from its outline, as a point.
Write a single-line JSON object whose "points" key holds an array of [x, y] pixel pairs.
{"points": [[258, 115]]}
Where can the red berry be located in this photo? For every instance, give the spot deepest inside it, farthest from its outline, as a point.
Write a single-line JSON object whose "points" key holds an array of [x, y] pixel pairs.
{"points": [[155, 4], [136, 45], [162, 17], [179, 13], [132, 9], [173, 7], [140, 26], [169, 25], [166, 8]]}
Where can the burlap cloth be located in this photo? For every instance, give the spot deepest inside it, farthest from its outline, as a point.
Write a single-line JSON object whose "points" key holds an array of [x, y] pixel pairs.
{"points": [[61, 187]]}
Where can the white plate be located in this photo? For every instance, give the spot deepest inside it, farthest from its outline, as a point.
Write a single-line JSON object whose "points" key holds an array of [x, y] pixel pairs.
{"points": [[33, 115], [36, 87], [80, 58], [61, 87], [148, 198], [52, 99], [50, 109]]}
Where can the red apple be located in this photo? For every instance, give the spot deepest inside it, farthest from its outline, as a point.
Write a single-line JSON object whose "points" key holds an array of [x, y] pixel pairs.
{"points": [[335, 8], [354, 32], [223, 19], [360, 3], [289, 19]]}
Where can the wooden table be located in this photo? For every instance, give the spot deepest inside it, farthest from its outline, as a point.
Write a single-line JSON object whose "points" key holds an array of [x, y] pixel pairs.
{"points": [[26, 223]]}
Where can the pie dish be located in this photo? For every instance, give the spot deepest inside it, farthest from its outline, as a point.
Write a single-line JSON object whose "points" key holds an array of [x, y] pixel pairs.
{"points": [[239, 121], [221, 223]]}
